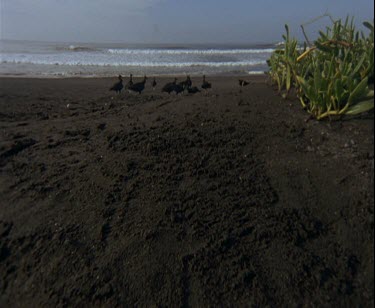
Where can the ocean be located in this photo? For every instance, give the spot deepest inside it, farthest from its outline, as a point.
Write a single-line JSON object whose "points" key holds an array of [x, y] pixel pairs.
{"points": [[42, 59]]}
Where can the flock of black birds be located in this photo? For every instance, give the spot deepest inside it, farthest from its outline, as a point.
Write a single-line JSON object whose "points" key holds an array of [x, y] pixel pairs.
{"points": [[180, 87]]}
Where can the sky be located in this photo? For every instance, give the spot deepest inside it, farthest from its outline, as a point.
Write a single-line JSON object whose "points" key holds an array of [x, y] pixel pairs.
{"points": [[169, 21]]}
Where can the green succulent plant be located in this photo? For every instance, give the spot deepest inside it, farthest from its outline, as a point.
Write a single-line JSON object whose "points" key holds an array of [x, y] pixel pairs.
{"points": [[332, 78]]}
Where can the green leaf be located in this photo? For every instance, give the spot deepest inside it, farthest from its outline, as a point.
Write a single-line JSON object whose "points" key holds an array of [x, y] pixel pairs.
{"points": [[361, 107], [339, 89], [302, 82], [359, 65], [323, 35], [322, 47], [288, 78], [331, 71], [369, 25], [359, 91], [317, 80], [287, 30]]}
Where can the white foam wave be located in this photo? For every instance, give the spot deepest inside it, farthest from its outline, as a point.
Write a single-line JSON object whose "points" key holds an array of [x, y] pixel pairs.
{"points": [[136, 64], [83, 59], [76, 48], [188, 51], [256, 72], [81, 48]]}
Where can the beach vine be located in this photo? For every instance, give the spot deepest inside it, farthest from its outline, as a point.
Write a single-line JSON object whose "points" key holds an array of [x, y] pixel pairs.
{"points": [[332, 77]]}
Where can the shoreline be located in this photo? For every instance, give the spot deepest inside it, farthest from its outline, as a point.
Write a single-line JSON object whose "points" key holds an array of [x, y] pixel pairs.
{"points": [[220, 198]]}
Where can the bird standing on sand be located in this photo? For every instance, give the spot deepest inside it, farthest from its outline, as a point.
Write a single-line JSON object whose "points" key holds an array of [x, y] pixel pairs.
{"points": [[130, 82], [205, 85], [243, 83], [169, 87], [186, 84], [118, 86], [138, 87], [178, 88], [154, 84]]}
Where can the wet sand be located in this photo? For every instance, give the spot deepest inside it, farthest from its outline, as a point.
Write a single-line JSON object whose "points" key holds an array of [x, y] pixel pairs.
{"points": [[222, 198]]}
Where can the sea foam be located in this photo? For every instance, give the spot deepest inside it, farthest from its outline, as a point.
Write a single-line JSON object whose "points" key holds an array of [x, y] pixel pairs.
{"points": [[189, 52], [99, 59]]}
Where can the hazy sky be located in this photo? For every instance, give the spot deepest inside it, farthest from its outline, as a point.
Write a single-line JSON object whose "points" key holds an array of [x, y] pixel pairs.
{"points": [[167, 21]]}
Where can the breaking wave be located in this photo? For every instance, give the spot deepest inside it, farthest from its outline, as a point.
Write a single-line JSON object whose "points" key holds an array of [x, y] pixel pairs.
{"points": [[84, 58], [189, 51], [76, 48], [139, 64]]}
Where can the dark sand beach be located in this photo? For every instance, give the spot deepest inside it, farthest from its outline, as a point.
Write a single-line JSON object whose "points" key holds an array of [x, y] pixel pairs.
{"points": [[223, 198]]}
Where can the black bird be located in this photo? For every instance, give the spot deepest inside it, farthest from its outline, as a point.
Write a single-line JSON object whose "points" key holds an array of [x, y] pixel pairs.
{"points": [[243, 83], [138, 87], [154, 84], [205, 85], [169, 87], [130, 82], [193, 90], [178, 88], [187, 83], [118, 86]]}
